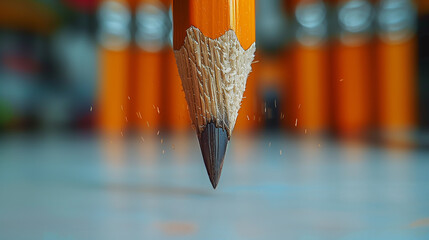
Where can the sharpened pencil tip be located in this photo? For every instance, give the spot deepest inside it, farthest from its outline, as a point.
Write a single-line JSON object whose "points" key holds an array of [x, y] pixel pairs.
{"points": [[213, 142]]}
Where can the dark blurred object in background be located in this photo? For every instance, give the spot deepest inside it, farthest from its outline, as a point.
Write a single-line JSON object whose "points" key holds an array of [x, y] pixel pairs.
{"points": [[47, 72], [423, 62], [88, 6]]}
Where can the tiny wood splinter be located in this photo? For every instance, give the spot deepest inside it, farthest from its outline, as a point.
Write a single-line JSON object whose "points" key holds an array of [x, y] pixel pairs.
{"points": [[214, 46]]}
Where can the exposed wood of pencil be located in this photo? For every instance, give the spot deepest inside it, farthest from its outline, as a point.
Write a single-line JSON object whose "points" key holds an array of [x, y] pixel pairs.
{"points": [[214, 43]]}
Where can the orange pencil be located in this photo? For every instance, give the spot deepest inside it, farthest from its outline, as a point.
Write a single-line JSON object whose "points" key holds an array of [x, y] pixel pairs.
{"points": [[396, 72], [352, 74], [151, 19], [310, 68], [176, 116], [114, 52], [214, 45]]}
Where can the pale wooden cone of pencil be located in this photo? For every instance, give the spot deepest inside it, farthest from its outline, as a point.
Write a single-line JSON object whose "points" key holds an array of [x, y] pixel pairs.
{"points": [[214, 46]]}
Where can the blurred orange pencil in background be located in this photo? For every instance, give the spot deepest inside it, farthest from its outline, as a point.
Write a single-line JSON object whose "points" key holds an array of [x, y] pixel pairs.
{"points": [[310, 85], [111, 107], [396, 67], [352, 79], [151, 32], [176, 115]]}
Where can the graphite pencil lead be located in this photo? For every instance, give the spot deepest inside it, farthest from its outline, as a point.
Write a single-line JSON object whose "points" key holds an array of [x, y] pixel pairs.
{"points": [[213, 142]]}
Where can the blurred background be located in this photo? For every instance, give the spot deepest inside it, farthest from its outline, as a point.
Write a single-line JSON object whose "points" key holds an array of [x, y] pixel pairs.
{"points": [[353, 69], [333, 129]]}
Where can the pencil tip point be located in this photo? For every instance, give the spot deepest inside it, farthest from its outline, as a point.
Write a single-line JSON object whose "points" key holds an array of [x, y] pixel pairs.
{"points": [[213, 142]]}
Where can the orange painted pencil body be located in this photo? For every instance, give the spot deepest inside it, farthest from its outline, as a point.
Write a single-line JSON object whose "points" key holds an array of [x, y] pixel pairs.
{"points": [[352, 89], [310, 88], [237, 15], [176, 116], [397, 85]]}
